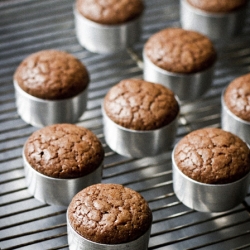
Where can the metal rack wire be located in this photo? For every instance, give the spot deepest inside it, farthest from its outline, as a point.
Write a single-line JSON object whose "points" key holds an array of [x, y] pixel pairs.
{"points": [[27, 26]]}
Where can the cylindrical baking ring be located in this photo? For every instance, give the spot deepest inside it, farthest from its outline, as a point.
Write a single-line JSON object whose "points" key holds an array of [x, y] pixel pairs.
{"points": [[232, 123], [208, 197], [101, 38], [56, 191], [138, 143], [187, 87], [39, 112], [217, 26], [77, 242]]}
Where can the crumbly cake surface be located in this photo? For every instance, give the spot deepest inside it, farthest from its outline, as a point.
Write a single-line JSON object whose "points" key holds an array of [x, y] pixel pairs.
{"points": [[237, 97], [52, 75], [110, 11], [64, 151], [140, 105], [213, 156], [180, 51], [109, 214], [219, 6]]}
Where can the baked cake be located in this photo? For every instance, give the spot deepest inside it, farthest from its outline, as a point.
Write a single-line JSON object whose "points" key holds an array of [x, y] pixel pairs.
{"points": [[140, 105], [110, 12], [236, 97], [109, 214], [52, 75], [180, 51], [218, 6], [212, 156], [64, 151]]}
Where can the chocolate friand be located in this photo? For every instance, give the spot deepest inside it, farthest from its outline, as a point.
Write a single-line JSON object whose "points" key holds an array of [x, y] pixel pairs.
{"points": [[181, 60], [211, 170], [140, 118], [60, 160], [220, 20], [108, 216], [51, 87], [235, 103], [108, 26]]}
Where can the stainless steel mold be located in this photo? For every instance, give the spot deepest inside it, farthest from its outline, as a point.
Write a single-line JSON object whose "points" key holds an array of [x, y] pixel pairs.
{"points": [[100, 38], [138, 143], [39, 112], [233, 123], [28, 25], [188, 87], [77, 242], [55, 191], [217, 26], [208, 197]]}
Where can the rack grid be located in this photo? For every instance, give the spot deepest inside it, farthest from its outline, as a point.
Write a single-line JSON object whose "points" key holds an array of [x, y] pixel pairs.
{"points": [[27, 26]]}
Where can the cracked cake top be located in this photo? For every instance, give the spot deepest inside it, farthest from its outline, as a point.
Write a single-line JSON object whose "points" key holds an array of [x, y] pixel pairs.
{"points": [[109, 214], [180, 51], [64, 151], [237, 97], [212, 156], [220, 6], [52, 75], [110, 11], [140, 105]]}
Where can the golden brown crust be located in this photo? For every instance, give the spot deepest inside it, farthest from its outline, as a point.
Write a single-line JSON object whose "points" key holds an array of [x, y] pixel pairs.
{"points": [[237, 97], [140, 105], [180, 51], [109, 214], [64, 151], [52, 75], [110, 11], [212, 156], [219, 6]]}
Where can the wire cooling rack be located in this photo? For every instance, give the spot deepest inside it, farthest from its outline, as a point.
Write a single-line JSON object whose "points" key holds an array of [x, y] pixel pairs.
{"points": [[27, 26]]}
